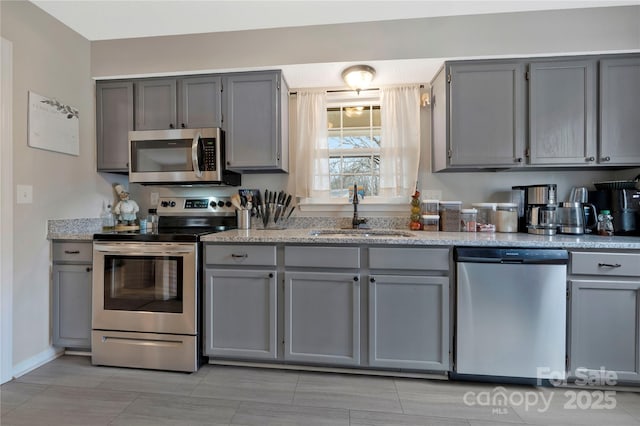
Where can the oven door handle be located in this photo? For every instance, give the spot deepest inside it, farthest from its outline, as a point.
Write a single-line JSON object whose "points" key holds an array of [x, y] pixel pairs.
{"points": [[142, 251], [194, 155]]}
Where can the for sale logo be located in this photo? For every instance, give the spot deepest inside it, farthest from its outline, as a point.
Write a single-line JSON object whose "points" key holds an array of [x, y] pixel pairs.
{"points": [[582, 396]]}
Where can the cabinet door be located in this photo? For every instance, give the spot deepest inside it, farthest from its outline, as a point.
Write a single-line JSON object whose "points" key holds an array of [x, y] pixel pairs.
{"points": [[114, 119], [240, 313], [605, 327], [156, 104], [322, 318], [200, 102], [252, 121], [486, 114], [562, 112], [409, 322], [619, 107], [72, 305]]}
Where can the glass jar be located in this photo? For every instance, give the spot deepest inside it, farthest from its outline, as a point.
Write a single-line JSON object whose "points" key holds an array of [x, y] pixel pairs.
{"points": [[486, 216], [450, 216], [430, 207], [430, 222], [507, 217], [152, 220], [468, 220]]}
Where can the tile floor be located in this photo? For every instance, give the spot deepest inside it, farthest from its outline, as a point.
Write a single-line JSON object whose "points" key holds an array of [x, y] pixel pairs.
{"points": [[70, 391]]}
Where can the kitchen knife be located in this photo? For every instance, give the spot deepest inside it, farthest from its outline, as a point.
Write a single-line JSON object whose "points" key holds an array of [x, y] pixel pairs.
{"points": [[279, 202], [267, 210]]}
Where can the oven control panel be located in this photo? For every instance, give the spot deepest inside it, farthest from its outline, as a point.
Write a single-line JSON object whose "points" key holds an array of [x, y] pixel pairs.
{"points": [[171, 206]]}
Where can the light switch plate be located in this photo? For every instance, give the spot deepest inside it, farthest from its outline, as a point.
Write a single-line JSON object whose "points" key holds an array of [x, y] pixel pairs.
{"points": [[24, 194]]}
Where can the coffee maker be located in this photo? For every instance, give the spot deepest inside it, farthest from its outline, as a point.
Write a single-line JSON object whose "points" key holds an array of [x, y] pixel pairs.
{"points": [[540, 203], [624, 205]]}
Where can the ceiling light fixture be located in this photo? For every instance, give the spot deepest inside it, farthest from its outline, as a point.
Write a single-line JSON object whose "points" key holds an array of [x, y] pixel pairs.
{"points": [[358, 77]]}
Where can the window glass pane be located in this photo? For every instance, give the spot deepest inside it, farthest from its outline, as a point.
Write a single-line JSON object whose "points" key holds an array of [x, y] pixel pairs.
{"points": [[376, 117], [335, 165], [357, 116], [357, 165], [334, 140], [333, 118]]}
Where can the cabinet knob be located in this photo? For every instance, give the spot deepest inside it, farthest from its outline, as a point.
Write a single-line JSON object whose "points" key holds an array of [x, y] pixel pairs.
{"points": [[228, 163], [171, 125], [607, 158], [372, 280], [519, 160], [270, 275], [356, 279], [89, 269], [591, 159], [183, 126]]}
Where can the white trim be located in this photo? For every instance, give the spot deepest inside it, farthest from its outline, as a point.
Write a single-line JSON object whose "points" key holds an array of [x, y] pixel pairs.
{"points": [[6, 212], [36, 361]]}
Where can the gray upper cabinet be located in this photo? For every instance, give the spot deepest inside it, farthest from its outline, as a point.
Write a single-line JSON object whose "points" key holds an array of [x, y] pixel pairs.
{"points": [[156, 104], [114, 119], [484, 115], [187, 102], [619, 111], [255, 119], [562, 112]]}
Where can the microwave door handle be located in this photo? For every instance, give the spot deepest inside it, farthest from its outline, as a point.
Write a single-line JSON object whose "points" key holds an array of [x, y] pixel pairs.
{"points": [[194, 155]]}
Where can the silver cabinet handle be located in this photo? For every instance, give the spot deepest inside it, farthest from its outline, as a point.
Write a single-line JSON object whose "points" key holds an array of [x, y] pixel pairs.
{"points": [[609, 265]]}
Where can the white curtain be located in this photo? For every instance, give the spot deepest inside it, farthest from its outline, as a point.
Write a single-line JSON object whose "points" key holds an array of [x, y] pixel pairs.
{"points": [[400, 140], [311, 151]]}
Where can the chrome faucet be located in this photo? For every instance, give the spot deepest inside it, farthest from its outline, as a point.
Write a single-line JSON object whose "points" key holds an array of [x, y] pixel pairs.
{"points": [[356, 221]]}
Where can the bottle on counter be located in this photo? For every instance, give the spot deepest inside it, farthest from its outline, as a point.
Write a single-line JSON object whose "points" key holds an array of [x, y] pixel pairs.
{"points": [[108, 220], [605, 223], [152, 220]]}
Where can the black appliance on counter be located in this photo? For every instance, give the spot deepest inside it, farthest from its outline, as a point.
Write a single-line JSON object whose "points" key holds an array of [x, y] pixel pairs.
{"points": [[624, 205], [146, 287]]}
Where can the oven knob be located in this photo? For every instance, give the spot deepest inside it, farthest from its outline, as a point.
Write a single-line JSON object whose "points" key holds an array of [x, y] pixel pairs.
{"points": [[213, 204], [220, 203], [228, 204], [164, 204], [172, 204]]}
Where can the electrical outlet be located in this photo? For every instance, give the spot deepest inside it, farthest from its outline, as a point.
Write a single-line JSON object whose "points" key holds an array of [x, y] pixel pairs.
{"points": [[154, 198], [24, 194]]}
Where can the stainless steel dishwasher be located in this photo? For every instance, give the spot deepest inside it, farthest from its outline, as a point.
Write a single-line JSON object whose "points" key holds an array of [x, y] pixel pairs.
{"points": [[511, 312]]}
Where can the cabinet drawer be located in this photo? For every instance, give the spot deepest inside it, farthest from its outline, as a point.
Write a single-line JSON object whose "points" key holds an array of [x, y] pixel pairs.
{"points": [[72, 251], [322, 257], [593, 263], [420, 259], [241, 255]]}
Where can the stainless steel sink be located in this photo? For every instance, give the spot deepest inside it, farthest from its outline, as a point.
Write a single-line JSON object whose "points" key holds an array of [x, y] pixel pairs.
{"points": [[359, 233]]}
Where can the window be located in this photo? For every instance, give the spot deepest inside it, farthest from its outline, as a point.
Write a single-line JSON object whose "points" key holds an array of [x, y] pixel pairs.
{"points": [[354, 131]]}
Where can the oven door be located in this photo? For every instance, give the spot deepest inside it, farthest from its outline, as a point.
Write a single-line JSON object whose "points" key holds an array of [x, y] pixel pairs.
{"points": [[145, 287]]}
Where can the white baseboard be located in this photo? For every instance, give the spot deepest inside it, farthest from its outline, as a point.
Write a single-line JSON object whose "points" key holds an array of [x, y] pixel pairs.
{"points": [[36, 361]]}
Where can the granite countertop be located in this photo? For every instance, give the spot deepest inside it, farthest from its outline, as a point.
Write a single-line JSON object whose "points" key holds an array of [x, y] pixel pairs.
{"points": [[424, 238], [83, 229]]}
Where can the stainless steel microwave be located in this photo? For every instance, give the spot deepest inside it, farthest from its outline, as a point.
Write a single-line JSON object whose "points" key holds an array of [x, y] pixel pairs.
{"points": [[178, 156]]}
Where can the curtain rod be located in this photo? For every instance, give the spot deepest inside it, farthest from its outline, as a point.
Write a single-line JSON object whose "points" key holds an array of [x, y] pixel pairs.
{"points": [[351, 90]]}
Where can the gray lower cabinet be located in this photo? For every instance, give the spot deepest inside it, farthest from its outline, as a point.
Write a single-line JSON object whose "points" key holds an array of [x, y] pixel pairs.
{"points": [[240, 313], [619, 106], [409, 308], [562, 112], [322, 317], [604, 320], [114, 119], [240, 302], [72, 272], [408, 322], [255, 120]]}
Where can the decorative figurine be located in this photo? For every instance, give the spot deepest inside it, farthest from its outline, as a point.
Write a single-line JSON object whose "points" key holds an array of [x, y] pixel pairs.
{"points": [[126, 208]]}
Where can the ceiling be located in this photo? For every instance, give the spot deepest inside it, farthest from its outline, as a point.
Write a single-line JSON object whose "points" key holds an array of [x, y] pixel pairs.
{"points": [[115, 19]]}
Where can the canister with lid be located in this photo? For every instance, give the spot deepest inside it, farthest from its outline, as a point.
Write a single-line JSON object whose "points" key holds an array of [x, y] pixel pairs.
{"points": [[507, 217], [430, 222], [486, 216], [430, 207], [450, 216], [468, 220]]}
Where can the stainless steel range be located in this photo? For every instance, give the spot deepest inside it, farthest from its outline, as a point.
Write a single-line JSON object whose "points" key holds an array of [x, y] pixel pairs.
{"points": [[146, 292]]}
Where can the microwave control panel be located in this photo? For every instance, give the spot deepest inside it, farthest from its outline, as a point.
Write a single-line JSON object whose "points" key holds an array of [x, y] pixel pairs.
{"points": [[209, 154]]}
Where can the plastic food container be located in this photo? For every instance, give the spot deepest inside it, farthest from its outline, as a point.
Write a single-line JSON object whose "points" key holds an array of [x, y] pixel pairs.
{"points": [[430, 222], [486, 216], [450, 216], [468, 220], [430, 207], [507, 217]]}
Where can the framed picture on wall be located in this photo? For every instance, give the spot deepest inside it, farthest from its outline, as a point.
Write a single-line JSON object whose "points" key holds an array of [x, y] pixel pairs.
{"points": [[53, 125]]}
